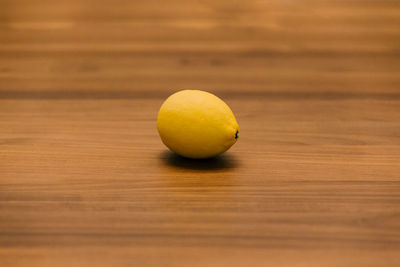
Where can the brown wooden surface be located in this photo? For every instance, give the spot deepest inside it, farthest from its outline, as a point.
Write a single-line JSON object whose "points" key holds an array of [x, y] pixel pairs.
{"points": [[314, 179]]}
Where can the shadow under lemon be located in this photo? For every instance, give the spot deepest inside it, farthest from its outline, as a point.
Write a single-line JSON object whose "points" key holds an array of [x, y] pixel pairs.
{"points": [[218, 163]]}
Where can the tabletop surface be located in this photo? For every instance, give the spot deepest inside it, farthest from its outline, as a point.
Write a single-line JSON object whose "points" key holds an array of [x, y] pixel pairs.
{"points": [[314, 179]]}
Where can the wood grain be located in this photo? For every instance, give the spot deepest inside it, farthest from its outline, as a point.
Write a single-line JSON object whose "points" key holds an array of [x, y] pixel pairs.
{"points": [[314, 179]]}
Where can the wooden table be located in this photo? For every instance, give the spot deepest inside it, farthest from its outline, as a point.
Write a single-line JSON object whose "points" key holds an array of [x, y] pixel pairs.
{"points": [[314, 179]]}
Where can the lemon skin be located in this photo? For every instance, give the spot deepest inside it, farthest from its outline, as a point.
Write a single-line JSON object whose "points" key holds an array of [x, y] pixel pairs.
{"points": [[197, 124]]}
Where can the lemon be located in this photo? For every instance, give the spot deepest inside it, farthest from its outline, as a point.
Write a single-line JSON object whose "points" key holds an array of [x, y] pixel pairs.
{"points": [[197, 124]]}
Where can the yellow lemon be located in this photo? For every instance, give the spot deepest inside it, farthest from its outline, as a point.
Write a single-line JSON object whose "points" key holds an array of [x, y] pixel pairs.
{"points": [[197, 124]]}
